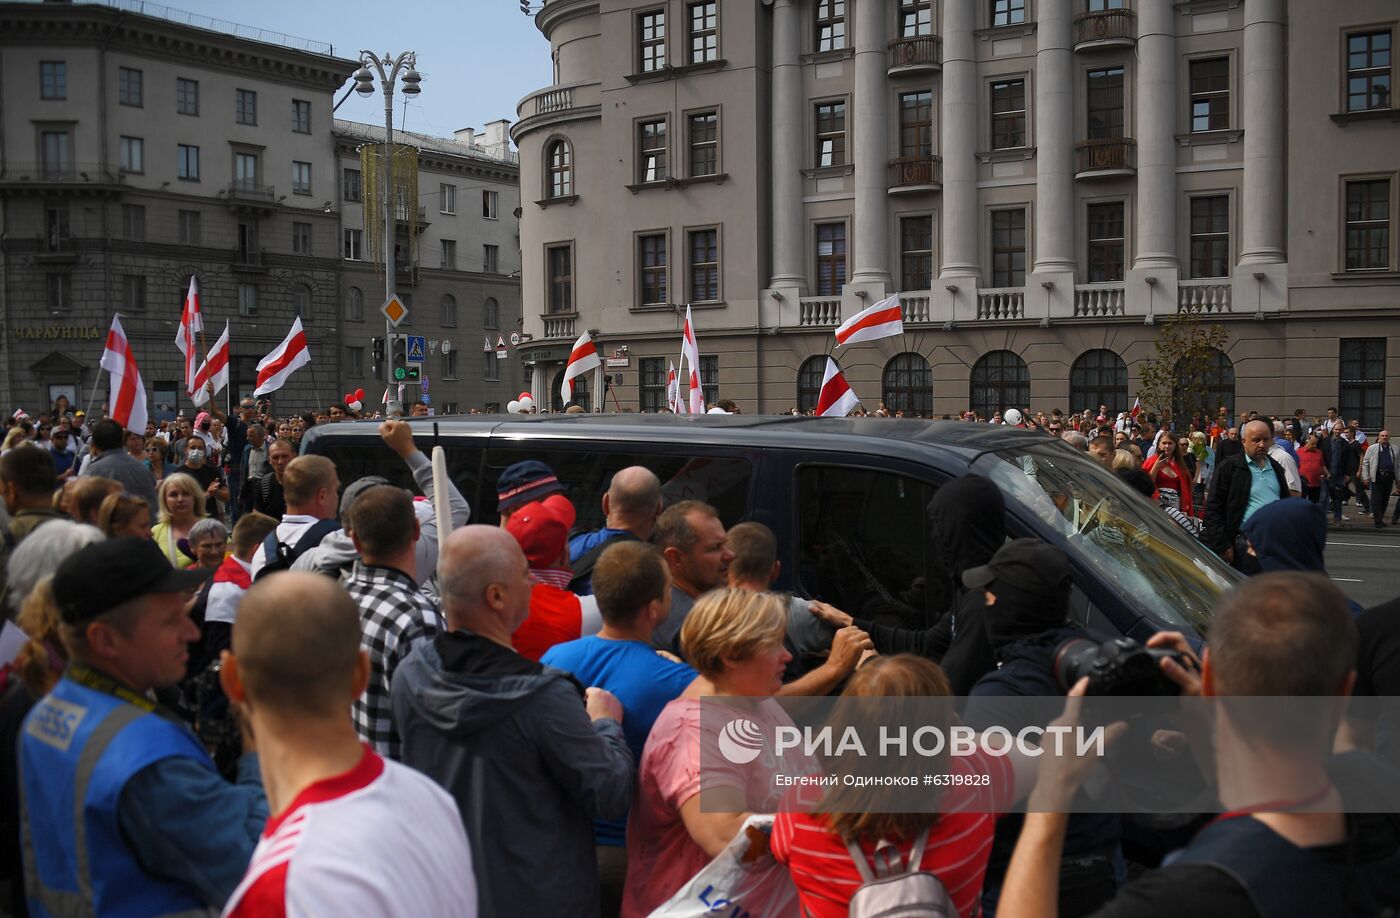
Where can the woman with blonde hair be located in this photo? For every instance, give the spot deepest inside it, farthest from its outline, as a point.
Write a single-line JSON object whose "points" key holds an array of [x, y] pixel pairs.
{"points": [[1169, 474], [734, 639], [181, 503], [1123, 459], [124, 515], [85, 500]]}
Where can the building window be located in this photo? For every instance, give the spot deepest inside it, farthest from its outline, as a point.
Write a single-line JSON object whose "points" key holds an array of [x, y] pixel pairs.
{"points": [[916, 253], [1008, 12], [1368, 71], [129, 86], [1211, 385], [447, 199], [704, 266], [1106, 243], [350, 187], [559, 263], [915, 18], [651, 269], [58, 230], [651, 151], [1102, 6], [245, 106], [490, 313], [1368, 225], [831, 25], [447, 317], [245, 171], [450, 368], [490, 204], [831, 134], [301, 238], [493, 367], [1210, 95], [247, 299], [134, 221], [189, 227], [186, 96], [355, 362], [301, 301], [907, 385], [831, 258], [133, 154], [1000, 380], [354, 240], [491, 259], [809, 382], [709, 378], [354, 305], [1210, 236], [651, 388], [248, 252], [1009, 248], [916, 125], [561, 169], [301, 116], [704, 143], [1106, 103], [57, 153], [60, 292], [1008, 114], [53, 80], [301, 177], [704, 32], [187, 163], [449, 254], [1097, 378], [651, 27], [1362, 380], [134, 293]]}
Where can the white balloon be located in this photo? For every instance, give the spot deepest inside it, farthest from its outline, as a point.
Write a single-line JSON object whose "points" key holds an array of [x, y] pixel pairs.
{"points": [[513, 406], [527, 403]]}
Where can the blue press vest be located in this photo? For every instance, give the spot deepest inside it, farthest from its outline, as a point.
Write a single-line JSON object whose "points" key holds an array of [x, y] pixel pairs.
{"points": [[79, 740]]}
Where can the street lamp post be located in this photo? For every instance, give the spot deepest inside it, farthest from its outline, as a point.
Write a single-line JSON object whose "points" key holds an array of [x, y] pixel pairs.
{"points": [[388, 68]]}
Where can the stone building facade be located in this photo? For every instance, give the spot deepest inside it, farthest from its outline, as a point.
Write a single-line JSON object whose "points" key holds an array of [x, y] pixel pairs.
{"points": [[1043, 182]]}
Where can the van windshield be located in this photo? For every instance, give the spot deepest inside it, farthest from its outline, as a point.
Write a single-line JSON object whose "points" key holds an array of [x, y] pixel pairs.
{"points": [[1132, 544]]}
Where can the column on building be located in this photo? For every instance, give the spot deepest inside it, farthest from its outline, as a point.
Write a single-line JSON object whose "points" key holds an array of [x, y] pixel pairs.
{"points": [[786, 163], [870, 142], [1156, 140], [1262, 211], [958, 145], [1054, 139]]}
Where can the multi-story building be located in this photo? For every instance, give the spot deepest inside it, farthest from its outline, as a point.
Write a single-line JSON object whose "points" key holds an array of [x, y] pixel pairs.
{"points": [[457, 264], [1043, 182], [136, 151]]}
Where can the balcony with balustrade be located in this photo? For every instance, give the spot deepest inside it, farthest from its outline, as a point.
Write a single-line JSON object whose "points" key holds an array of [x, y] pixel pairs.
{"points": [[1105, 157], [1210, 296], [560, 325], [917, 54], [1099, 301], [819, 312], [1096, 30], [555, 104], [915, 174], [997, 304], [916, 307], [64, 176]]}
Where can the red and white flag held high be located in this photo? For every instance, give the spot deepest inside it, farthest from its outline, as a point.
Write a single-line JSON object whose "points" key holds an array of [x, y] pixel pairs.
{"points": [[582, 359], [191, 324], [671, 387], [690, 354], [836, 399], [285, 359], [126, 394], [1137, 407], [214, 369], [883, 320]]}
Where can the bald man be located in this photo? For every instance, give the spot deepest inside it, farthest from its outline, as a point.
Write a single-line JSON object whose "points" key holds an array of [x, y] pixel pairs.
{"points": [[631, 505], [351, 832], [1240, 486], [529, 755]]}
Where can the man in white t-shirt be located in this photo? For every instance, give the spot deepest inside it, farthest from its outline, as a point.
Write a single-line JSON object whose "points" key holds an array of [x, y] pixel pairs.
{"points": [[311, 488], [351, 833]]}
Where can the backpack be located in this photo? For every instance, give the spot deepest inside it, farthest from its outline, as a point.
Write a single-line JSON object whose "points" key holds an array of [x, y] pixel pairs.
{"points": [[281, 556], [899, 890], [582, 582]]}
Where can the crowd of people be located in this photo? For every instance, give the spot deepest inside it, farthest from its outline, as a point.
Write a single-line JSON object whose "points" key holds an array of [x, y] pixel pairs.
{"points": [[249, 685]]}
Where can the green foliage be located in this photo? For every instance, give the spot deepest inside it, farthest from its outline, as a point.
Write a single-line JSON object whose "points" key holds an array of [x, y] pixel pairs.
{"points": [[1176, 378]]}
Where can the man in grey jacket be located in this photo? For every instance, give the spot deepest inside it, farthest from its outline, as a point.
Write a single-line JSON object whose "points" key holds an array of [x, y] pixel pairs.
{"points": [[530, 756], [112, 461]]}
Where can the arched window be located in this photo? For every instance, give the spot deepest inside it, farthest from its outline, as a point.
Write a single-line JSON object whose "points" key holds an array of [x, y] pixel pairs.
{"points": [[490, 313], [907, 385], [1098, 378], [809, 382], [1204, 383], [560, 157], [301, 301], [582, 392], [1000, 380], [448, 311], [354, 305]]}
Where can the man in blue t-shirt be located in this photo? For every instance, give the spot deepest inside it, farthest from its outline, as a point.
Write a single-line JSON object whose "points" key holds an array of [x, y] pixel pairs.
{"points": [[630, 507], [633, 586]]}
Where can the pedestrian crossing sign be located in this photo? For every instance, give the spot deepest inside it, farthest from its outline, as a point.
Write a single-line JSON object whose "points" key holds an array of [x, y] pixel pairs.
{"points": [[417, 349]]}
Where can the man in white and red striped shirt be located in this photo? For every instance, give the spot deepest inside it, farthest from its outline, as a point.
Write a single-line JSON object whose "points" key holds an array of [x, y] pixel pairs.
{"points": [[352, 833]]}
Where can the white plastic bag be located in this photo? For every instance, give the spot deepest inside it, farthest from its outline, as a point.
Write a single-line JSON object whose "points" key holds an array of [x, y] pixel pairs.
{"points": [[729, 887]]}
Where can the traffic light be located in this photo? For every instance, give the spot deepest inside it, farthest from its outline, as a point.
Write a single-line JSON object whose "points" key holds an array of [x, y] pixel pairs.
{"points": [[398, 357], [377, 351]]}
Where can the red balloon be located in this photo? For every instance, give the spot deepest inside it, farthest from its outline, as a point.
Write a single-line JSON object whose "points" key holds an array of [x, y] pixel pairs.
{"points": [[359, 395], [349, 397], [525, 395]]}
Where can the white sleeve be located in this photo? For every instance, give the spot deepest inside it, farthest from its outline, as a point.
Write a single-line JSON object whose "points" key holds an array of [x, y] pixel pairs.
{"points": [[590, 619]]}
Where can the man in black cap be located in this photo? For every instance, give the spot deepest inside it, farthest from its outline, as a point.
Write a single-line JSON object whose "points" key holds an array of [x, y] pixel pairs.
{"points": [[124, 812], [524, 483]]}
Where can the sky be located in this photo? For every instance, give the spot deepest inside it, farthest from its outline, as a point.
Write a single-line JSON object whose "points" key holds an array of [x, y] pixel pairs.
{"points": [[478, 58]]}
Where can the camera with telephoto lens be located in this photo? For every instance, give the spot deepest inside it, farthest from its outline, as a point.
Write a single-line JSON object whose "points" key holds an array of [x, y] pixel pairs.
{"points": [[1120, 666]]}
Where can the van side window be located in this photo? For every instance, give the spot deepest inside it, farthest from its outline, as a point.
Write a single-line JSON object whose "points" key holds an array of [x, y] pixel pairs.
{"points": [[721, 481], [864, 543], [355, 459]]}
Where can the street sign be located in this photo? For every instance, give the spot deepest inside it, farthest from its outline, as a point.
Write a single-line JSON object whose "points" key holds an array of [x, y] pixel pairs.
{"points": [[394, 310], [417, 348], [515, 339]]}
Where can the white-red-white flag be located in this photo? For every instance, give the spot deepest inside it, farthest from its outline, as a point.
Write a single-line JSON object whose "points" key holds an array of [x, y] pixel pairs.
{"points": [[191, 324], [126, 394], [690, 355], [285, 359], [836, 399], [214, 369], [1137, 407], [671, 387], [582, 359], [883, 320]]}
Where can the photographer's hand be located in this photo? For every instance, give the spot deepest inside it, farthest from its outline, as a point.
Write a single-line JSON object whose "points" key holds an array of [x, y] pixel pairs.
{"points": [[1062, 770], [1188, 679]]}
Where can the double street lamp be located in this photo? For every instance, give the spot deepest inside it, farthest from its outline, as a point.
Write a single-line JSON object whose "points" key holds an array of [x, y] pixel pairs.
{"points": [[388, 69]]}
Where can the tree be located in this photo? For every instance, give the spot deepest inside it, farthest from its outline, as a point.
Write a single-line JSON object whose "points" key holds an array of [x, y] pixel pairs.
{"points": [[1183, 374]]}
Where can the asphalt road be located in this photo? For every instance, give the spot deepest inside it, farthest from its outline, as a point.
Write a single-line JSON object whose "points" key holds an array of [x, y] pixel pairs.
{"points": [[1365, 561]]}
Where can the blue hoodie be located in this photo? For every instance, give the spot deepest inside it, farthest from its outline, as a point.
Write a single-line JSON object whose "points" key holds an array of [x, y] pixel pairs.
{"points": [[1291, 535]]}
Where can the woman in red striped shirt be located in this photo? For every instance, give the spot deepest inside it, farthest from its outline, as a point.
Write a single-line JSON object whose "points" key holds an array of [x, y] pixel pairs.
{"points": [[813, 844]]}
